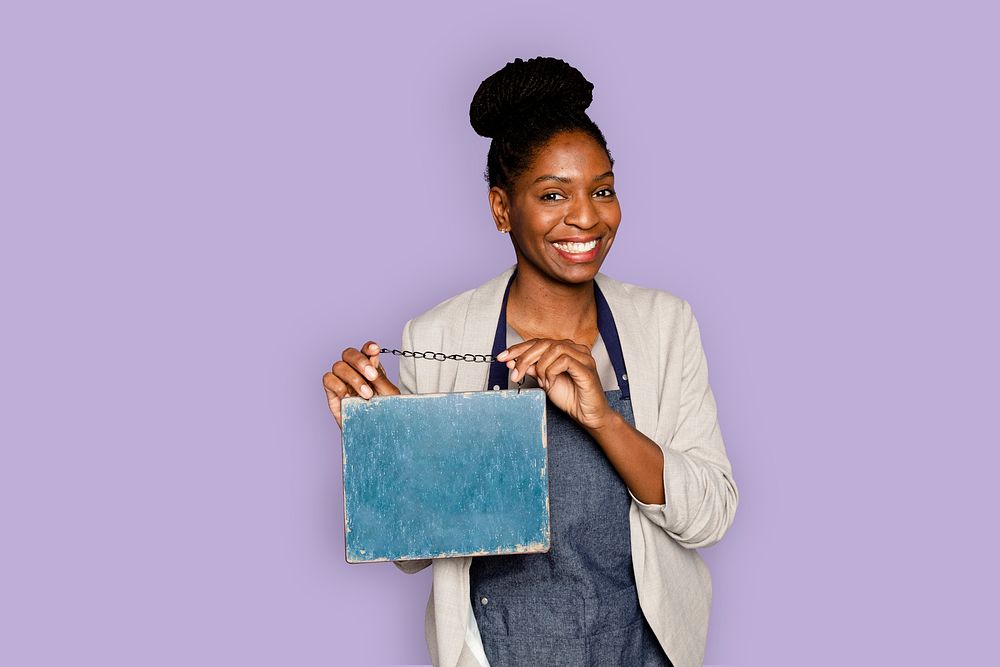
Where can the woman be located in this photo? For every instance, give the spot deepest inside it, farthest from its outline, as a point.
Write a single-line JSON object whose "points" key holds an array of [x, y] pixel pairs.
{"points": [[638, 474]]}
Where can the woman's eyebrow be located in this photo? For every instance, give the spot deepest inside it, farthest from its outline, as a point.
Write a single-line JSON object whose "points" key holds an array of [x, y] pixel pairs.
{"points": [[563, 179]]}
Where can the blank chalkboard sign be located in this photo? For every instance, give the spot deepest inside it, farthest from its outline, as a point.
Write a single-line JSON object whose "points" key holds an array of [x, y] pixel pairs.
{"points": [[444, 475]]}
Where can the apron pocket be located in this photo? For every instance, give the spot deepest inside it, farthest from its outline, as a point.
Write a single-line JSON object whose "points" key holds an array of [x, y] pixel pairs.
{"points": [[518, 616]]}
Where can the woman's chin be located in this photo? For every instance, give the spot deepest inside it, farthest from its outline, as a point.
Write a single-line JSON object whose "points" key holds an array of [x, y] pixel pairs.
{"points": [[577, 272], [559, 270]]}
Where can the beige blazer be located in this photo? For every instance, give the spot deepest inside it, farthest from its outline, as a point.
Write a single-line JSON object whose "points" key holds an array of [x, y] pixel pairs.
{"points": [[673, 405]]}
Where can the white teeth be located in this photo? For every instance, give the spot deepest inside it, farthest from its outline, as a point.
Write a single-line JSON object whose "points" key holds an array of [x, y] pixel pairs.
{"points": [[577, 247]]}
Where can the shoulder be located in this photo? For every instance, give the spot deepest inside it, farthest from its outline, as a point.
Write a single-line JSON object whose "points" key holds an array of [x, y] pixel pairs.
{"points": [[654, 307], [449, 312]]}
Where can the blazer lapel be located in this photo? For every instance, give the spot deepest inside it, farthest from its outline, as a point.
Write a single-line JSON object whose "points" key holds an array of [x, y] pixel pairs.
{"points": [[480, 328]]}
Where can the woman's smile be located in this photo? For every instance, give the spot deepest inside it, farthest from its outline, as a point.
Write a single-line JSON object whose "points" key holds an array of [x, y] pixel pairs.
{"points": [[577, 250]]}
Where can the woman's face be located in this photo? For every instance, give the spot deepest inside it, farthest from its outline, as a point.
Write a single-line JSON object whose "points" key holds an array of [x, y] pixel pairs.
{"points": [[563, 212]]}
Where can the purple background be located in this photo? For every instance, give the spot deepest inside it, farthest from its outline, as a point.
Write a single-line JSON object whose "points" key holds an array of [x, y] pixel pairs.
{"points": [[203, 203]]}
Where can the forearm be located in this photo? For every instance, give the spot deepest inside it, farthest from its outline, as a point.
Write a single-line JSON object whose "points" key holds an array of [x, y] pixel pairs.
{"points": [[637, 459]]}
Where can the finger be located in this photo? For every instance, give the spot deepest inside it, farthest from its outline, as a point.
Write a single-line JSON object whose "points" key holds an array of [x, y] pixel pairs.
{"points": [[568, 348], [348, 389], [517, 348], [577, 370], [552, 348], [335, 392], [361, 362], [334, 384], [525, 360], [350, 376]]}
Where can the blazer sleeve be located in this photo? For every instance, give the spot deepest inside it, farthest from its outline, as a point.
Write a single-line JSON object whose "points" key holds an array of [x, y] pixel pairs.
{"points": [[701, 495], [408, 385]]}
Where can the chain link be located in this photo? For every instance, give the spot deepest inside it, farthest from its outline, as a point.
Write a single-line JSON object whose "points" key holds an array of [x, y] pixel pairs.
{"points": [[441, 356]]}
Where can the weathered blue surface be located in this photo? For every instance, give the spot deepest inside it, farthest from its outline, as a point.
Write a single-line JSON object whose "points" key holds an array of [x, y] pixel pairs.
{"points": [[437, 475]]}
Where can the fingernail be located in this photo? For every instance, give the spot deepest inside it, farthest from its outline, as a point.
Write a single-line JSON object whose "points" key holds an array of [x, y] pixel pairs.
{"points": [[513, 375], [502, 355], [370, 373], [366, 391], [373, 348]]}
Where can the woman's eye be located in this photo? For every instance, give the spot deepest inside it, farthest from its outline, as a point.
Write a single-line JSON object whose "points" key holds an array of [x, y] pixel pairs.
{"points": [[609, 191], [550, 196]]}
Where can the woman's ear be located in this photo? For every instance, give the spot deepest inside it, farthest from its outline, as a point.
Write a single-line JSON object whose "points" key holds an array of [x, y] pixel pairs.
{"points": [[500, 207]]}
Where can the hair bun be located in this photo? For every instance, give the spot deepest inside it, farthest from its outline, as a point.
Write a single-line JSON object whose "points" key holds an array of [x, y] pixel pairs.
{"points": [[526, 87]]}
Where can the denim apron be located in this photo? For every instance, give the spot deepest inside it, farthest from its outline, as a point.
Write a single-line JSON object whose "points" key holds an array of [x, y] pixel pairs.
{"points": [[577, 604]]}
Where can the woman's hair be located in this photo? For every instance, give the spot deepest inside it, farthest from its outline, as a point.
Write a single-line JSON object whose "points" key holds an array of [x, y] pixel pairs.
{"points": [[522, 106]]}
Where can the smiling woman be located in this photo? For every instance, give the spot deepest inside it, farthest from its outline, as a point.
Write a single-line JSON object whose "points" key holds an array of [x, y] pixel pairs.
{"points": [[638, 473]]}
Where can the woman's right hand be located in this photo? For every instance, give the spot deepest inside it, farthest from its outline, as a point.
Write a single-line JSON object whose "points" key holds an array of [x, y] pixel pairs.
{"points": [[356, 373]]}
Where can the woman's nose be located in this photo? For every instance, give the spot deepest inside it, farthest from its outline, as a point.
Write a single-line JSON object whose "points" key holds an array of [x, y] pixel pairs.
{"points": [[583, 213]]}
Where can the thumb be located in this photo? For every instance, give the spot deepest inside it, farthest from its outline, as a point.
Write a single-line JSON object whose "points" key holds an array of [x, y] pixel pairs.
{"points": [[382, 384], [371, 349]]}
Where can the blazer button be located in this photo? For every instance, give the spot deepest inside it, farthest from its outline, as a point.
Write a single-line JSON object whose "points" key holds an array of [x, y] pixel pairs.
{"points": [[485, 601]]}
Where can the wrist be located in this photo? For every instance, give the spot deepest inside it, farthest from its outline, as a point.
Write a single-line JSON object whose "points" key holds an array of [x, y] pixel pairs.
{"points": [[606, 425]]}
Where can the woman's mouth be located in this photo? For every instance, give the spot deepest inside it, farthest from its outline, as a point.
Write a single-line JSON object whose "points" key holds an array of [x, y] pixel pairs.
{"points": [[575, 251]]}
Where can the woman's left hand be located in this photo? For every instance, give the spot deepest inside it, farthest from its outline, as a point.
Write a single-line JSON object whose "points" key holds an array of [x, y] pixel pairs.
{"points": [[568, 374]]}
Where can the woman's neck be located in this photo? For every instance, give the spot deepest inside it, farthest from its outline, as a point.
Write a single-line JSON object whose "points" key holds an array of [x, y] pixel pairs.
{"points": [[539, 307]]}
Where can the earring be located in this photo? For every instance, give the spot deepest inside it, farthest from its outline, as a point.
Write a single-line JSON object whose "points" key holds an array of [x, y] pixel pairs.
{"points": [[504, 231]]}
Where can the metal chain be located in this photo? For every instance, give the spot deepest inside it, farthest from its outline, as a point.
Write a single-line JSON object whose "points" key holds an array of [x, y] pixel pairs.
{"points": [[441, 356]]}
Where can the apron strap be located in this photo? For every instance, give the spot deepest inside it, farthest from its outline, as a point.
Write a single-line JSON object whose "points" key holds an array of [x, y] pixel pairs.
{"points": [[499, 373], [609, 333]]}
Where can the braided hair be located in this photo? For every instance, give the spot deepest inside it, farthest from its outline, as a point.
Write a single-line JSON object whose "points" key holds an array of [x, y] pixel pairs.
{"points": [[521, 106]]}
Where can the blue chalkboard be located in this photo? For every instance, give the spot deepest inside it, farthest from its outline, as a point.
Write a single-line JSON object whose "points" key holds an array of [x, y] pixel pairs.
{"points": [[444, 475]]}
